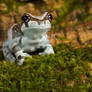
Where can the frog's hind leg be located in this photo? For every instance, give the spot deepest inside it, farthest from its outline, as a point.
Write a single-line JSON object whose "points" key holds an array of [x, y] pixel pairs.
{"points": [[7, 53]]}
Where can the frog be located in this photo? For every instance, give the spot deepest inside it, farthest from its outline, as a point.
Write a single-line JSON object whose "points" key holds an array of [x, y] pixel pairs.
{"points": [[28, 38]]}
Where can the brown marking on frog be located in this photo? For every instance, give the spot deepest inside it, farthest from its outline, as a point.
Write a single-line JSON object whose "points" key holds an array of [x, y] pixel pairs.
{"points": [[36, 19], [16, 30]]}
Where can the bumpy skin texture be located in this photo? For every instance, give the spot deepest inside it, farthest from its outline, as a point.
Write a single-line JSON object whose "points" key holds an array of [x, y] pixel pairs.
{"points": [[28, 38]]}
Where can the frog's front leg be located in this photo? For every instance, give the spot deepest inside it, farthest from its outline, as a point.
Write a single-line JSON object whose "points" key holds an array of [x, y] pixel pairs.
{"points": [[20, 55], [17, 51], [48, 50]]}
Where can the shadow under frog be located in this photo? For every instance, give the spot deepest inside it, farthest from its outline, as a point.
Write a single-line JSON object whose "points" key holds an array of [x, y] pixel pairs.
{"points": [[28, 38]]}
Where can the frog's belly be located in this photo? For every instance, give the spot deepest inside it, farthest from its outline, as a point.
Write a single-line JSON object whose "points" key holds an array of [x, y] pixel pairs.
{"points": [[31, 45]]}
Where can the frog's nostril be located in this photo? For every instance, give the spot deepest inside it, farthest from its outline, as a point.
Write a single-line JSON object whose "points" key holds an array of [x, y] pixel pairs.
{"points": [[39, 22], [44, 22]]}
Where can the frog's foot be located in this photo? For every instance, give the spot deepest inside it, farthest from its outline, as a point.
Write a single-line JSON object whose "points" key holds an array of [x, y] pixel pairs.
{"points": [[20, 62], [21, 57], [48, 50]]}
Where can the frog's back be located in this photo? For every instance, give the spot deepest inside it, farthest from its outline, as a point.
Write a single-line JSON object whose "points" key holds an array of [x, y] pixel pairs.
{"points": [[14, 31]]}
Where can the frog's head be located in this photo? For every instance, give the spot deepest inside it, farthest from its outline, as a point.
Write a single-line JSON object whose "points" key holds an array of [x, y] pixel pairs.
{"points": [[36, 24]]}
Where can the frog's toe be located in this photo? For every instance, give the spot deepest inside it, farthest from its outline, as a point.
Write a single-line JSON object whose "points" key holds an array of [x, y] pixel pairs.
{"points": [[20, 62]]}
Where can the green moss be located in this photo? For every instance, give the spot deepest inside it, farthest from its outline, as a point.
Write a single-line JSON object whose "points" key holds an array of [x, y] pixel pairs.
{"points": [[60, 72]]}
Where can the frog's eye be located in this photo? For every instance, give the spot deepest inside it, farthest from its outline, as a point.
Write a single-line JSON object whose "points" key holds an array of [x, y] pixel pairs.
{"points": [[50, 17], [26, 18]]}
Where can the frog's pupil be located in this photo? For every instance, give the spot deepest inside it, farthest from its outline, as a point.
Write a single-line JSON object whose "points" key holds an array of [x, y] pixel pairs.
{"points": [[25, 17], [50, 16]]}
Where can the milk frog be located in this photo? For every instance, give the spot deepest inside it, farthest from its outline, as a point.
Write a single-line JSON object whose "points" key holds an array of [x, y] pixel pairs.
{"points": [[28, 38]]}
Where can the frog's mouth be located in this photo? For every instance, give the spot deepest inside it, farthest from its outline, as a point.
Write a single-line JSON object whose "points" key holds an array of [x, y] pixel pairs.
{"points": [[35, 31], [37, 25]]}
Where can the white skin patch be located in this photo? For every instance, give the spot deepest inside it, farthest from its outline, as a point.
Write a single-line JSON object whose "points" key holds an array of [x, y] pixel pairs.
{"points": [[30, 37]]}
